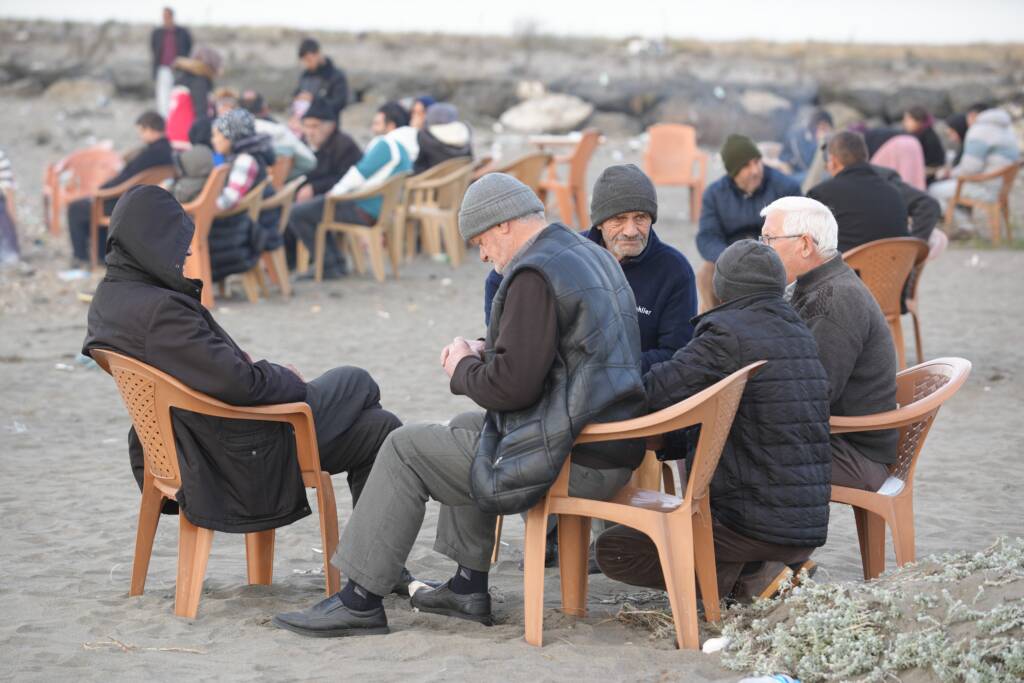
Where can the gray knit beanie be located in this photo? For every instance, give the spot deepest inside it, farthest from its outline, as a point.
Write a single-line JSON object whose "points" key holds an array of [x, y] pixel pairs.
{"points": [[748, 267], [620, 189], [494, 199]]}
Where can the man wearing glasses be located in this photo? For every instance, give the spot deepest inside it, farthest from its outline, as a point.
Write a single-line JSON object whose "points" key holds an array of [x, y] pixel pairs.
{"points": [[853, 339]]}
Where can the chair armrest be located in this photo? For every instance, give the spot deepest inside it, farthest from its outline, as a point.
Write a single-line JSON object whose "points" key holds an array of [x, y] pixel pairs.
{"points": [[982, 177], [113, 192], [332, 199]]}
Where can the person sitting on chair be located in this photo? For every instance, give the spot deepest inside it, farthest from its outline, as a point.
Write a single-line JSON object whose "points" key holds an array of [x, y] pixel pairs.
{"points": [[562, 351], [237, 475], [770, 491], [854, 341]]}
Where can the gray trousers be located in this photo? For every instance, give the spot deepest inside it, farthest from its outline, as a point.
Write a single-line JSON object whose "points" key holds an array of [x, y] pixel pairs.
{"points": [[422, 461], [853, 470]]}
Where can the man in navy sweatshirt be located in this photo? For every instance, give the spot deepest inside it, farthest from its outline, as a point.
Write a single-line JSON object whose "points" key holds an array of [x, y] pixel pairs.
{"points": [[624, 207]]}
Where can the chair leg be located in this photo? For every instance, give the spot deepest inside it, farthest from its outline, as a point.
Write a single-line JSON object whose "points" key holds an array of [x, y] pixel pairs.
{"points": [[328, 509], [533, 573], [497, 539], [563, 199], [871, 535], [452, 241], [251, 285], [395, 249], [573, 546], [995, 225], [917, 336], [674, 539], [902, 527], [668, 481], [897, 338], [376, 248], [301, 258], [149, 519], [193, 553], [318, 255], [259, 557], [704, 559], [355, 249]]}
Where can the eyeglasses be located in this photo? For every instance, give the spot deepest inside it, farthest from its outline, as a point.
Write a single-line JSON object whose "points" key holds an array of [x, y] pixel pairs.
{"points": [[768, 239]]}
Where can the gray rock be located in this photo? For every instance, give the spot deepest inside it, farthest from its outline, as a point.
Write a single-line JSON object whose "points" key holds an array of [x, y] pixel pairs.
{"points": [[484, 98], [962, 97], [718, 114], [935, 101], [843, 115], [632, 96], [131, 78], [554, 113], [80, 92], [763, 103], [615, 125], [866, 100]]}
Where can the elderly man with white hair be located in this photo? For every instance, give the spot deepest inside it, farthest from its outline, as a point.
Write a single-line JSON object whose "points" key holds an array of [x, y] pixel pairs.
{"points": [[853, 338]]}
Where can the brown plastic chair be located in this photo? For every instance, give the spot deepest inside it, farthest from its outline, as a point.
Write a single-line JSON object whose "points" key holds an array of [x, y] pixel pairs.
{"points": [[670, 158], [884, 266], [98, 217], [76, 176], [998, 211], [912, 302], [920, 392], [149, 395], [275, 261], [373, 236], [680, 528], [571, 195], [435, 207], [202, 209], [251, 203], [280, 170], [528, 169], [415, 196]]}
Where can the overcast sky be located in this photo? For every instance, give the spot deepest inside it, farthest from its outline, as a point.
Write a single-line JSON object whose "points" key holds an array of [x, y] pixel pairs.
{"points": [[865, 21]]}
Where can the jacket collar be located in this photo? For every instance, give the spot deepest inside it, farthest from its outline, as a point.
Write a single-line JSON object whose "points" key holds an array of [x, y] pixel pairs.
{"points": [[813, 278], [859, 168], [738, 304]]}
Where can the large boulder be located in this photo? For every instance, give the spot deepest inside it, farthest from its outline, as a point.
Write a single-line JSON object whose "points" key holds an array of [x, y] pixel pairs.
{"points": [[870, 102], [628, 96], [80, 92], [131, 78], [964, 95], [716, 113], [935, 101], [484, 97], [843, 115], [554, 113], [763, 102]]}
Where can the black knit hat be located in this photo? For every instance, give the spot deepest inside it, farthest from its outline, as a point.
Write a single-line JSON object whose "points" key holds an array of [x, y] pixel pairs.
{"points": [[748, 267], [620, 189], [320, 109], [737, 152]]}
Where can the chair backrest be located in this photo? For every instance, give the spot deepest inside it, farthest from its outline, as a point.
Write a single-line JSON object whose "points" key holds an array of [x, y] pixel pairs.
{"points": [[283, 199], [82, 172], [884, 266], [390, 193], [250, 203], [581, 155], [713, 408], [528, 169], [280, 170], [452, 186], [671, 153], [204, 206], [920, 392], [914, 281], [442, 168], [149, 394]]}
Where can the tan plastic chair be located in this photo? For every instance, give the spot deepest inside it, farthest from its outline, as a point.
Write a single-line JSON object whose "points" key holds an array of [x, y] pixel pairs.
{"points": [[202, 209], [275, 261], [571, 195], [415, 196], [251, 203], [76, 176], [680, 528], [998, 211], [149, 395], [884, 266], [98, 217], [482, 166], [372, 236], [912, 303], [528, 169], [436, 209], [920, 392], [280, 170], [670, 158]]}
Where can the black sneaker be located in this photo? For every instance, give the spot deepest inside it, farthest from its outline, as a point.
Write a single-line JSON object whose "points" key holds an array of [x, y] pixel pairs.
{"points": [[331, 619], [442, 600]]}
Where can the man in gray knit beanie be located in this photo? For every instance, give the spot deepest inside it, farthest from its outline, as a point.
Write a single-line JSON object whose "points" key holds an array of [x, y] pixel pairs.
{"points": [[501, 216]]}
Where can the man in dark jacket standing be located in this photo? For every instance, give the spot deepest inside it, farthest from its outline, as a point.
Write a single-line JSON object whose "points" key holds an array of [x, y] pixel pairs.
{"points": [[731, 208], [320, 80], [166, 44], [562, 351], [770, 492], [853, 338], [238, 475], [624, 208], [866, 206]]}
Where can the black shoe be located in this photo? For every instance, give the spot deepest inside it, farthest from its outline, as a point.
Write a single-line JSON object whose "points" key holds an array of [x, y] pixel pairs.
{"points": [[331, 619], [402, 587], [442, 600]]}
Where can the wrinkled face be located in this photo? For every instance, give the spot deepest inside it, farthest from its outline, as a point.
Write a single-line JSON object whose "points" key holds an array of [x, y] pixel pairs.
{"points": [[750, 176], [316, 132], [310, 61], [796, 251], [625, 234], [221, 144], [417, 115], [497, 246]]}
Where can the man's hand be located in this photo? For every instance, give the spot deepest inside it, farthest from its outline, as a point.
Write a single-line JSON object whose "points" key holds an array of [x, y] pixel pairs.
{"points": [[296, 371], [477, 345], [304, 194], [453, 353]]}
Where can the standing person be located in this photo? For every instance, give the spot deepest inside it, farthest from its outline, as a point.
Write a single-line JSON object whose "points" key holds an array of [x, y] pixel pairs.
{"points": [[731, 209], [191, 98], [9, 251], [166, 44], [319, 79], [562, 351]]}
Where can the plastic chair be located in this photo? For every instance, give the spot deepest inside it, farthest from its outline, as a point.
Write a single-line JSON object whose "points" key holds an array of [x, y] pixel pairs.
{"points": [[77, 175], [998, 211], [280, 170], [482, 166], [670, 157], [251, 203], [434, 203], [202, 209], [571, 195], [149, 395], [275, 261], [912, 303], [98, 216], [528, 169], [920, 392], [680, 528], [414, 196], [372, 236], [884, 266]]}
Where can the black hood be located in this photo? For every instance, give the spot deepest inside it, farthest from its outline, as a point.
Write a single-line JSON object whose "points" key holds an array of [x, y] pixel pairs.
{"points": [[149, 238]]}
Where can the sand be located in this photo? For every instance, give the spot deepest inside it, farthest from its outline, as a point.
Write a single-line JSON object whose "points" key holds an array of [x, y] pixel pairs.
{"points": [[68, 502]]}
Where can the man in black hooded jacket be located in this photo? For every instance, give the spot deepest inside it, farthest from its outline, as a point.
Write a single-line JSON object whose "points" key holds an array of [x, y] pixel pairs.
{"points": [[770, 492], [239, 475]]}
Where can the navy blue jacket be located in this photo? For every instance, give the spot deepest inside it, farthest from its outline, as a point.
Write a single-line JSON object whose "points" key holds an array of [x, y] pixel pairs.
{"points": [[666, 297], [728, 215]]}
